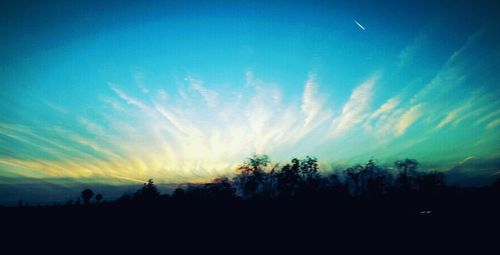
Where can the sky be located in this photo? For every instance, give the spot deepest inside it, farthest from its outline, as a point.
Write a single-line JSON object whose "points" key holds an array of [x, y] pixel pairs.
{"points": [[182, 91]]}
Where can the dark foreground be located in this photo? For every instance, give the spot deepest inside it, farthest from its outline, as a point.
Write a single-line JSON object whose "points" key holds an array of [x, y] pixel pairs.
{"points": [[366, 208], [286, 225]]}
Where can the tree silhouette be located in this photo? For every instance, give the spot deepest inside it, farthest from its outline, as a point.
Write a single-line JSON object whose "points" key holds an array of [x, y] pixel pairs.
{"points": [[367, 180], [334, 187], [252, 175], [148, 192], [407, 177], [220, 189], [376, 180], [288, 179], [310, 178], [309, 169], [353, 179], [87, 194], [301, 177]]}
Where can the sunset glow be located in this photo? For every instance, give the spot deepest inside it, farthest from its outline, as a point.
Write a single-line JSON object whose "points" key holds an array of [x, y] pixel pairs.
{"points": [[185, 92]]}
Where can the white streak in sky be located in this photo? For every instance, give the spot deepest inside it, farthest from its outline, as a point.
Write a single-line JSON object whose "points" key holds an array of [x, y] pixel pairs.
{"points": [[359, 25]]}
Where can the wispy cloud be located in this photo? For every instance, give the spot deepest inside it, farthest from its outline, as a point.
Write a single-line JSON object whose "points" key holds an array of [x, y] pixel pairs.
{"points": [[312, 104], [450, 76], [356, 109], [382, 121], [409, 52], [57, 108], [139, 81], [92, 127], [126, 98], [408, 119], [449, 118], [249, 78], [208, 95], [493, 123], [176, 137], [388, 106], [487, 117], [465, 160]]}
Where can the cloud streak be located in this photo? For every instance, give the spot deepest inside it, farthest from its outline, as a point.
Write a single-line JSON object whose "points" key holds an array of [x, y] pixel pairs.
{"points": [[408, 119], [356, 109], [209, 96]]}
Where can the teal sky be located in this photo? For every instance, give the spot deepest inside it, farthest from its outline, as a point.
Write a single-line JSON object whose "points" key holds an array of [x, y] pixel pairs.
{"points": [[182, 91]]}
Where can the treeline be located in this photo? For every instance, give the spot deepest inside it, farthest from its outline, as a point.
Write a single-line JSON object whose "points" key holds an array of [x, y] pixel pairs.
{"points": [[257, 179], [294, 202], [300, 181]]}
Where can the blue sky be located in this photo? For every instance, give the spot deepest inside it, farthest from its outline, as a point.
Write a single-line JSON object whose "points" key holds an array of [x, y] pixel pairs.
{"points": [[182, 91]]}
